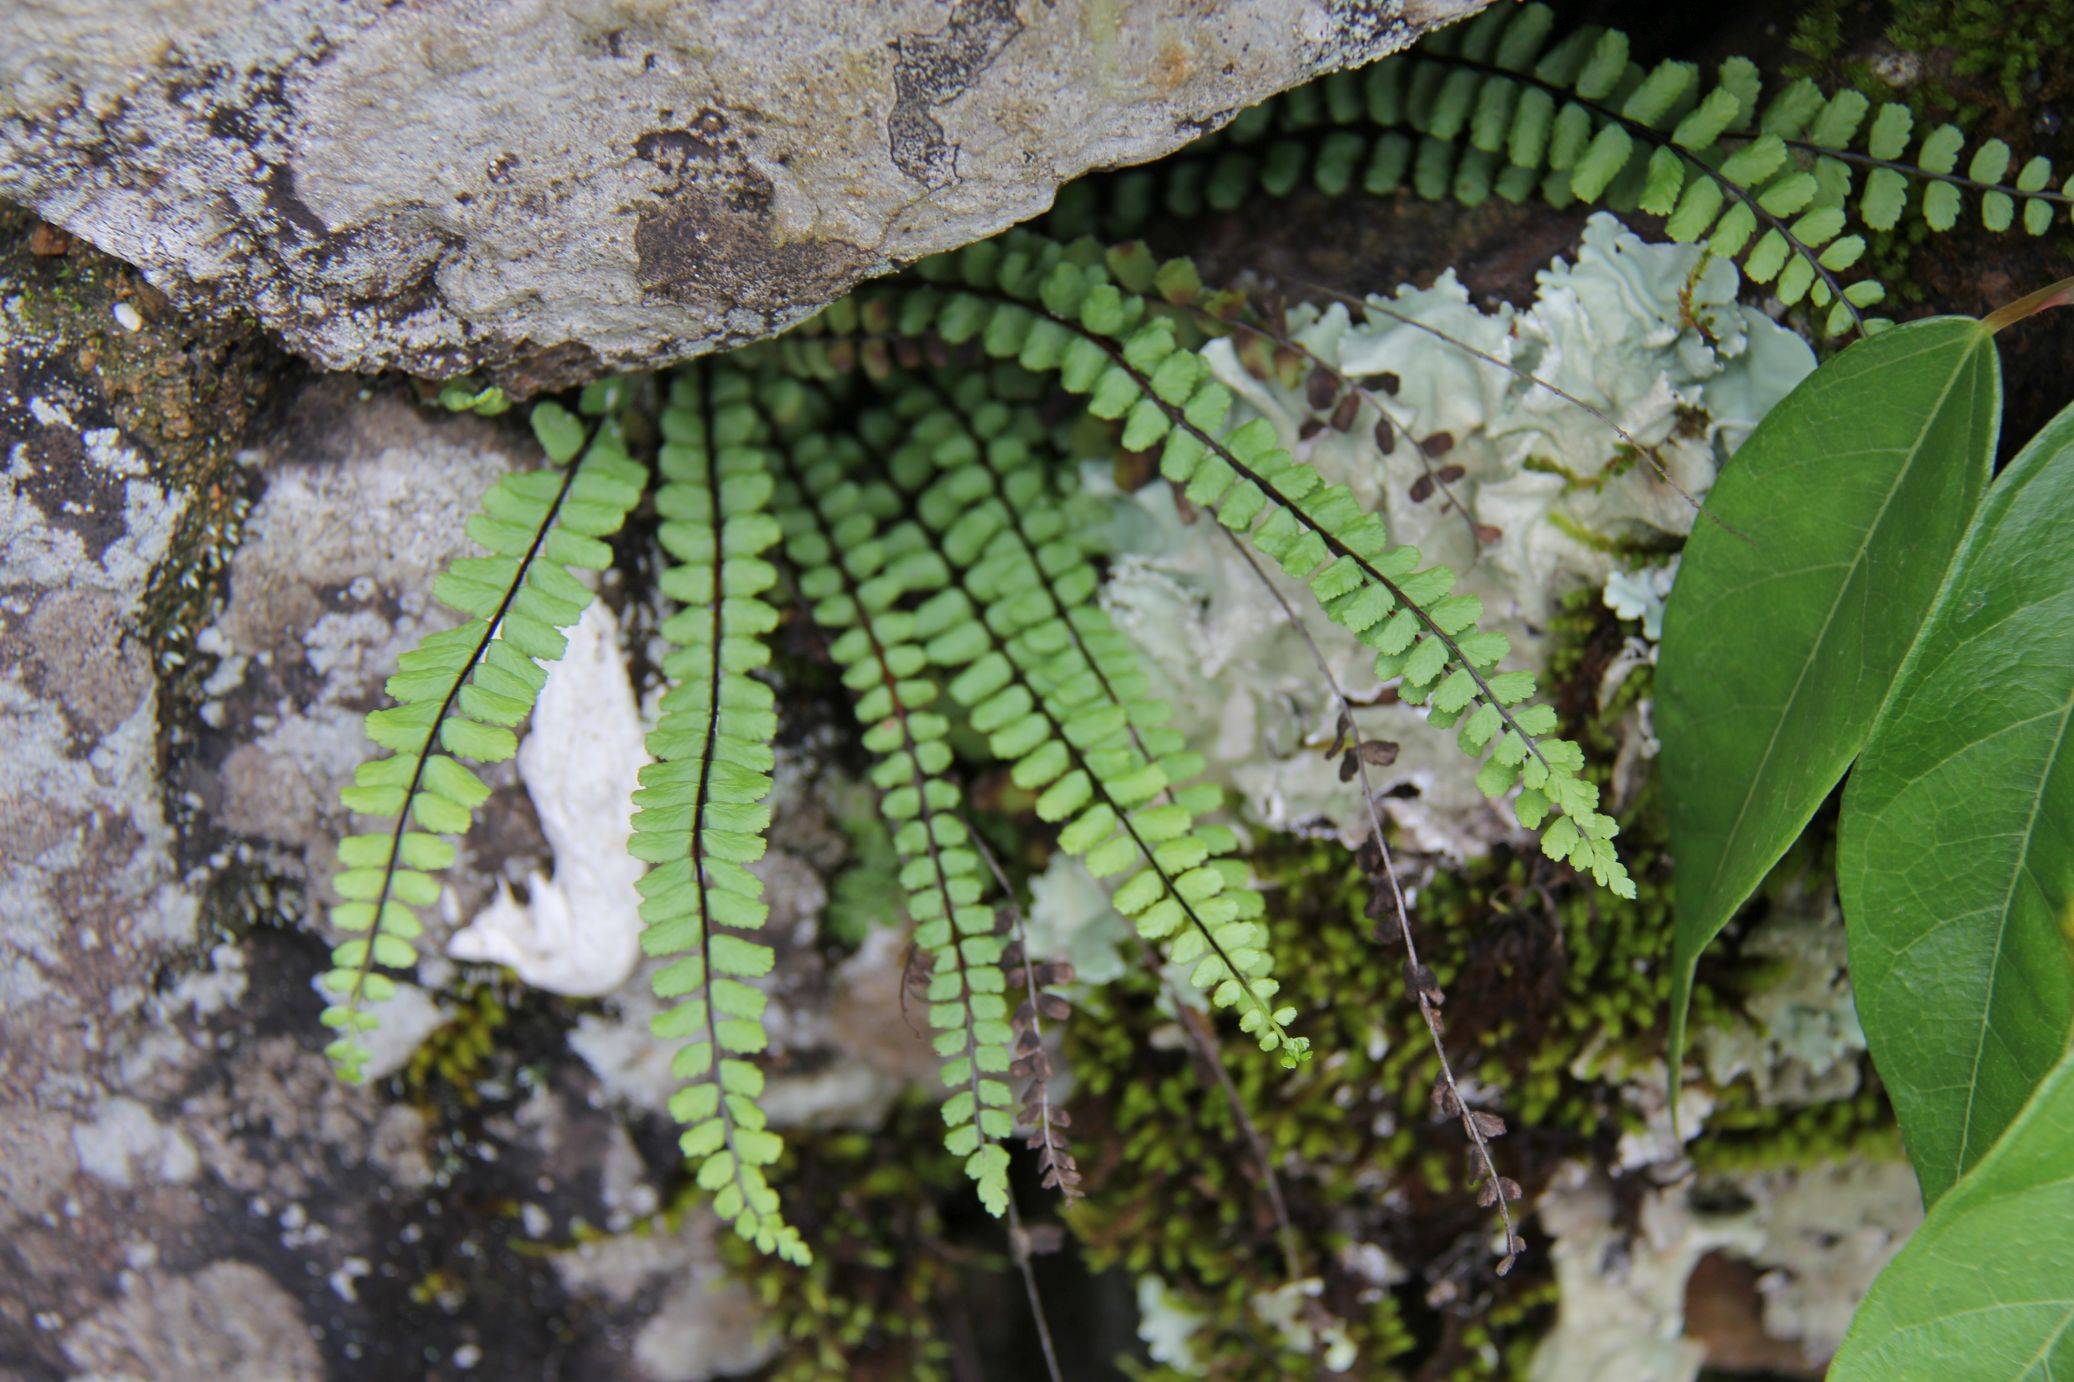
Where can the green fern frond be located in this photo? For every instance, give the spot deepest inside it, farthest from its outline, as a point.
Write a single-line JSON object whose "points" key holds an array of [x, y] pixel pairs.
{"points": [[460, 695], [1057, 308], [1495, 108], [703, 805], [1060, 695], [858, 571]]}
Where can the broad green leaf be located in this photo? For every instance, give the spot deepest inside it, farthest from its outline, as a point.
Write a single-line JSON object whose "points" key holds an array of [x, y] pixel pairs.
{"points": [[1779, 646], [1985, 1288], [1957, 858]]}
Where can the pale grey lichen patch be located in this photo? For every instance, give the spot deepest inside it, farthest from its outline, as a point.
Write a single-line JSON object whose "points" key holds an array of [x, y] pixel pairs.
{"points": [[1649, 335], [1828, 1231], [696, 1323], [1818, 1235], [36, 1163], [125, 1142], [1797, 1035]]}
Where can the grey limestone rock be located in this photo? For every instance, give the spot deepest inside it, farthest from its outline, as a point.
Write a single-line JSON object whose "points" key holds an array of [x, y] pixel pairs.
{"points": [[209, 559], [549, 191]]}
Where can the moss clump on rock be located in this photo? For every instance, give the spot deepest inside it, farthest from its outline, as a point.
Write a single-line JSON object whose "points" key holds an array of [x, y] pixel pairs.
{"points": [[883, 1263], [451, 1063], [1556, 1000]]}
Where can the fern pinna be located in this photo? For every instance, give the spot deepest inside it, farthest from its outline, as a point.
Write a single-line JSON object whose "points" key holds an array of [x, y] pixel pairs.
{"points": [[895, 468], [1502, 106]]}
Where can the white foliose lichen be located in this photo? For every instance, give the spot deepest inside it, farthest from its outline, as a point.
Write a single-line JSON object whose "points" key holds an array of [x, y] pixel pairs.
{"points": [[1305, 1328], [1816, 1235], [1797, 1035], [1071, 918], [1650, 336], [1167, 1326], [578, 932], [1639, 594]]}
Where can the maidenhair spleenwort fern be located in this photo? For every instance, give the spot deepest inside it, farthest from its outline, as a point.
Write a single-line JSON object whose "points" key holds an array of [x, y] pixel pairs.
{"points": [[703, 805], [1058, 691], [927, 529], [458, 694], [902, 473], [1058, 309], [856, 568], [1502, 107]]}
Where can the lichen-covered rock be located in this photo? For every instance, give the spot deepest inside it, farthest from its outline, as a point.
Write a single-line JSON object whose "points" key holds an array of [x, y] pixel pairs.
{"points": [[184, 1191], [208, 563], [229, 1320], [1816, 1237], [108, 978], [549, 191]]}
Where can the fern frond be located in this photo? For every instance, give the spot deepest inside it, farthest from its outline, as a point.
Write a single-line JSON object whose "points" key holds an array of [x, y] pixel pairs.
{"points": [[1059, 694], [460, 695], [1494, 107], [703, 805], [1059, 309], [857, 570]]}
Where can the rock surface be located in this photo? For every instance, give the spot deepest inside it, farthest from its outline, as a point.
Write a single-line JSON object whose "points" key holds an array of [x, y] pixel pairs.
{"points": [[208, 562], [545, 192]]}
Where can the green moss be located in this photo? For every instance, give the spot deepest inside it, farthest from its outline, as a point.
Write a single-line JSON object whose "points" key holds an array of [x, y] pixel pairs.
{"points": [[1980, 62], [1742, 1135], [871, 1205], [1557, 995], [452, 1062], [2013, 49], [441, 1288], [1173, 1190]]}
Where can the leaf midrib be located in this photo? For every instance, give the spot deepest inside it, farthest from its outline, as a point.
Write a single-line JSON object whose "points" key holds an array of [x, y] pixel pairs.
{"points": [[1901, 473], [2022, 864]]}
